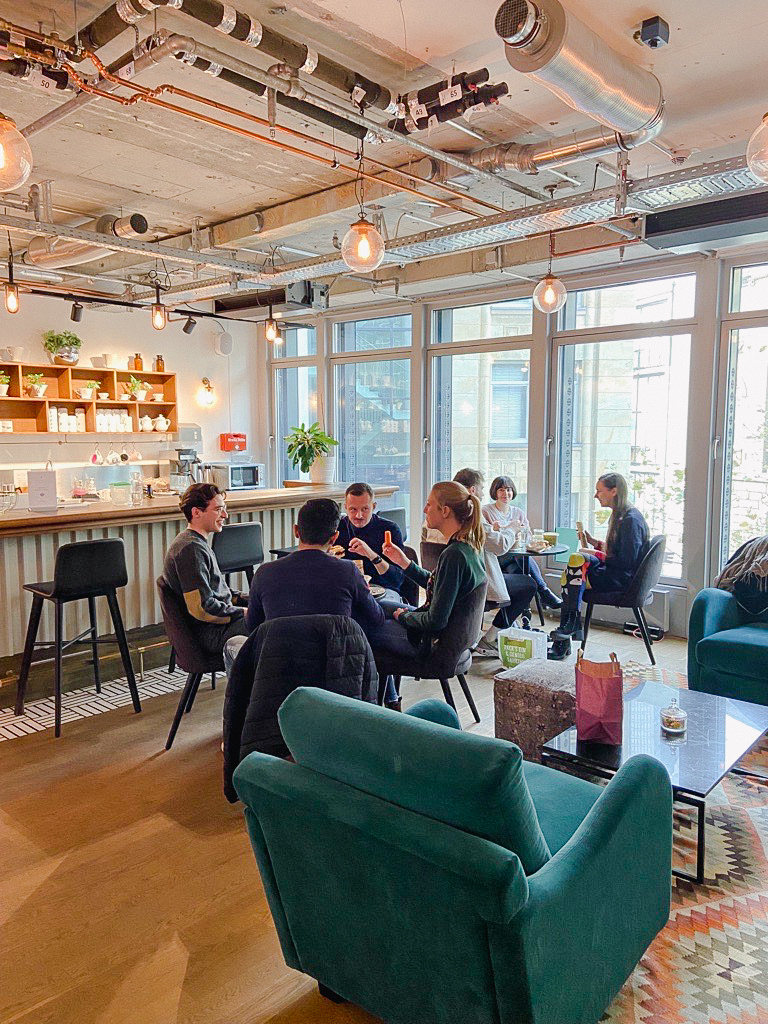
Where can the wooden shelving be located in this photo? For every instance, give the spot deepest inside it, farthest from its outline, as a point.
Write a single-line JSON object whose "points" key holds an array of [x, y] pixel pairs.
{"points": [[29, 415]]}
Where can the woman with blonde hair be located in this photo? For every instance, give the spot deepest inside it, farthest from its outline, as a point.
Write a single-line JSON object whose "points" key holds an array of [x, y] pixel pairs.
{"points": [[452, 510]]}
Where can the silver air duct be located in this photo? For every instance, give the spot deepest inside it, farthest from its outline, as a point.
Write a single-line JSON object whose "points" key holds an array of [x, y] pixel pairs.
{"points": [[550, 45], [53, 251], [547, 43]]}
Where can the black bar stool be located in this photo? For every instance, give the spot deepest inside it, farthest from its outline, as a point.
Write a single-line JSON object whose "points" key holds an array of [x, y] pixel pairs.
{"points": [[83, 570], [239, 548]]}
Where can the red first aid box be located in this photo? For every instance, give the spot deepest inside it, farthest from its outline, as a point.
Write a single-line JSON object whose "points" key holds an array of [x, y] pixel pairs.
{"points": [[232, 442]]}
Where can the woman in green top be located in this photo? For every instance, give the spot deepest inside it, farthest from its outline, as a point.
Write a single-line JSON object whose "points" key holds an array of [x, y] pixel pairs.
{"points": [[455, 512]]}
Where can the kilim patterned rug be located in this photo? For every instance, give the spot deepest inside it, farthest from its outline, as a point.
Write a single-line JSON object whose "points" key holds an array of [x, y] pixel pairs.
{"points": [[710, 964]]}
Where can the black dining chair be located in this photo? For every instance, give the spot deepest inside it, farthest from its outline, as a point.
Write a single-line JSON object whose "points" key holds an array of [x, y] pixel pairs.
{"points": [[238, 548], [443, 657], [430, 552], [399, 517], [409, 591], [84, 570], [191, 657], [638, 593]]}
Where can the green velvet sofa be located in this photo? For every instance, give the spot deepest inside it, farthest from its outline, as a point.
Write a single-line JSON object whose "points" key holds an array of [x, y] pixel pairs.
{"points": [[727, 648], [430, 875]]}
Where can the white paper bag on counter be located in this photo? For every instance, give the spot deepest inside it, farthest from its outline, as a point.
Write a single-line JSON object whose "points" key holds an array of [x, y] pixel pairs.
{"points": [[41, 488], [517, 645]]}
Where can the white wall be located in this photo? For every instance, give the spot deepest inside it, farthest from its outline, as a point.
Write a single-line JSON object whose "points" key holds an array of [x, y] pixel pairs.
{"points": [[190, 357]]}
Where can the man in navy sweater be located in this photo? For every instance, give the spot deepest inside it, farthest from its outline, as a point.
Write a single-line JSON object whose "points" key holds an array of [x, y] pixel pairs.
{"points": [[310, 581], [361, 534]]}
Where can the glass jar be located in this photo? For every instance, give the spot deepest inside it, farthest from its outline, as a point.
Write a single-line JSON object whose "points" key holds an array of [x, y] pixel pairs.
{"points": [[138, 362], [80, 418], [673, 719], [137, 489], [63, 421], [159, 364]]}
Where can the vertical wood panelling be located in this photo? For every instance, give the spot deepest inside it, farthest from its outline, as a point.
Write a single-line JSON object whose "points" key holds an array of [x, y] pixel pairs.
{"points": [[31, 559]]}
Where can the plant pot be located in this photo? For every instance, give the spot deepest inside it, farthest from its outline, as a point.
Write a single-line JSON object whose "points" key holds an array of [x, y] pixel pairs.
{"points": [[36, 390], [140, 395], [86, 394], [4, 390], [66, 356], [323, 470]]}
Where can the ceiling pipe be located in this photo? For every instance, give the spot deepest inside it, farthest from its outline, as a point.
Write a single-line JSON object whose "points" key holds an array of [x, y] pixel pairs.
{"points": [[53, 251], [243, 28]]}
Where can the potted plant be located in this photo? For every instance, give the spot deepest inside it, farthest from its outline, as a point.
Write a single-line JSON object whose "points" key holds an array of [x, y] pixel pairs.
{"points": [[5, 380], [63, 347], [86, 391], [34, 385], [136, 388], [309, 448]]}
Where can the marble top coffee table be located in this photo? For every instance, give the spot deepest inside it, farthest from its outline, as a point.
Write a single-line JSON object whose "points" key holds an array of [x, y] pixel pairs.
{"points": [[720, 732]]}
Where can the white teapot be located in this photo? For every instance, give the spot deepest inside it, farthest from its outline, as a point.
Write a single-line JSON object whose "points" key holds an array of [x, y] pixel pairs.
{"points": [[145, 423], [162, 423]]}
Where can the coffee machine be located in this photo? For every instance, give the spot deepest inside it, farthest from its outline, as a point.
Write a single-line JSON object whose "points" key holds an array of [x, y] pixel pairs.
{"points": [[184, 467]]}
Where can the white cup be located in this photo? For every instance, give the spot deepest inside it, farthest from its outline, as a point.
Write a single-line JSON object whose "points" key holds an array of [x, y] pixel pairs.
{"points": [[15, 353]]}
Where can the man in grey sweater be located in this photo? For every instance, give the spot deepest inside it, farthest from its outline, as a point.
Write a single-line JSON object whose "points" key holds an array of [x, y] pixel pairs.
{"points": [[192, 572]]}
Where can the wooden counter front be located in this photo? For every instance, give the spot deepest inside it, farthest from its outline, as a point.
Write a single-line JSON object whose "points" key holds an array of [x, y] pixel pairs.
{"points": [[29, 540]]}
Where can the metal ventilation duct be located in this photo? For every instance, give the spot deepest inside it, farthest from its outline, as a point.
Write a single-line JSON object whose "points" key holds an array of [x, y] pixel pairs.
{"points": [[550, 45], [55, 251]]}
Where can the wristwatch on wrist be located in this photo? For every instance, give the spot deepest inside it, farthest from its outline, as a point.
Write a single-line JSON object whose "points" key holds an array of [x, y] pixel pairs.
{"points": [[376, 560]]}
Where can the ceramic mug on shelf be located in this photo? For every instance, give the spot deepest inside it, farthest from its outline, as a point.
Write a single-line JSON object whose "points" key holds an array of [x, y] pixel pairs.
{"points": [[14, 353], [103, 396]]}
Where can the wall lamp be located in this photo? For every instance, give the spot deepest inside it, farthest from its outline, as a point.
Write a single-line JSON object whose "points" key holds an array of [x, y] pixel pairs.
{"points": [[206, 394]]}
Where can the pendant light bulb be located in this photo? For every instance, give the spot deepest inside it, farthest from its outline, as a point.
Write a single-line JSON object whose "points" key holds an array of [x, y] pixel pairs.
{"points": [[15, 156], [11, 298], [757, 151], [270, 327], [159, 312], [550, 294], [363, 247]]}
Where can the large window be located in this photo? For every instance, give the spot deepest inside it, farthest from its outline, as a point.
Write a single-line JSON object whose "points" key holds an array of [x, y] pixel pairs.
{"points": [[373, 423], [641, 302], [749, 288], [506, 319], [366, 335], [624, 408], [297, 342], [295, 403], [745, 485], [481, 414]]}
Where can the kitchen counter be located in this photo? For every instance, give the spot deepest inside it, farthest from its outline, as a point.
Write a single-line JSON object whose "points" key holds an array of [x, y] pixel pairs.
{"points": [[29, 541], [163, 507]]}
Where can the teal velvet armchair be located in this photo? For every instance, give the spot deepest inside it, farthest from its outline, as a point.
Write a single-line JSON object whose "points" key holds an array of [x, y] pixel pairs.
{"points": [[727, 648], [428, 874]]}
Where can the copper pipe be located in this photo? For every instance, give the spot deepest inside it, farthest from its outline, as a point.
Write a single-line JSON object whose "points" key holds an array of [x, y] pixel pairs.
{"points": [[195, 97], [142, 93]]}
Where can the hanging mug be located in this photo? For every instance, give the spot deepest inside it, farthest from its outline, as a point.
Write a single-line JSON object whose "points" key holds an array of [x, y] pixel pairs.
{"points": [[135, 455], [124, 454], [97, 458], [112, 458]]}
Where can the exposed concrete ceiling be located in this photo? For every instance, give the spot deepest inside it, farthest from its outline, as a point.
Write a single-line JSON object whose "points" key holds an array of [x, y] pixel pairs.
{"points": [[106, 158]]}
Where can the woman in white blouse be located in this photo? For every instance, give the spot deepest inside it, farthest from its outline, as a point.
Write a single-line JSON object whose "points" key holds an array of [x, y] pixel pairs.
{"points": [[505, 517]]}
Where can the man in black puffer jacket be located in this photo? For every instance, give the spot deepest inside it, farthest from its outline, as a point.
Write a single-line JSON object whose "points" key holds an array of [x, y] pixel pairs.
{"points": [[328, 651]]}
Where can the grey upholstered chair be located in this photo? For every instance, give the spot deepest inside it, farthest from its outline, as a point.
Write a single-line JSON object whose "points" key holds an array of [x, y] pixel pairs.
{"points": [[447, 655], [190, 656], [637, 593]]}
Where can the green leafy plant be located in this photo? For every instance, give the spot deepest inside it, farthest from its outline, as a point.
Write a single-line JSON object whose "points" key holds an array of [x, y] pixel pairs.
{"points": [[92, 384], [4, 378], [134, 385], [55, 341], [34, 379], [305, 444]]}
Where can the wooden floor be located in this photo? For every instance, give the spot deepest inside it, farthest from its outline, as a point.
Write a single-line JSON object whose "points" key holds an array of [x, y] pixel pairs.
{"points": [[128, 890]]}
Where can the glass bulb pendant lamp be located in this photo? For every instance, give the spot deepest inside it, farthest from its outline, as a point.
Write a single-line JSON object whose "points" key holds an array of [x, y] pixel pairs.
{"points": [[363, 247], [757, 151], [15, 156], [550, 293]]}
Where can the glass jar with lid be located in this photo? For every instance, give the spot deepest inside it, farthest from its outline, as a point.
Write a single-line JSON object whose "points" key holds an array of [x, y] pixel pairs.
{"points": [[673, 719]]}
